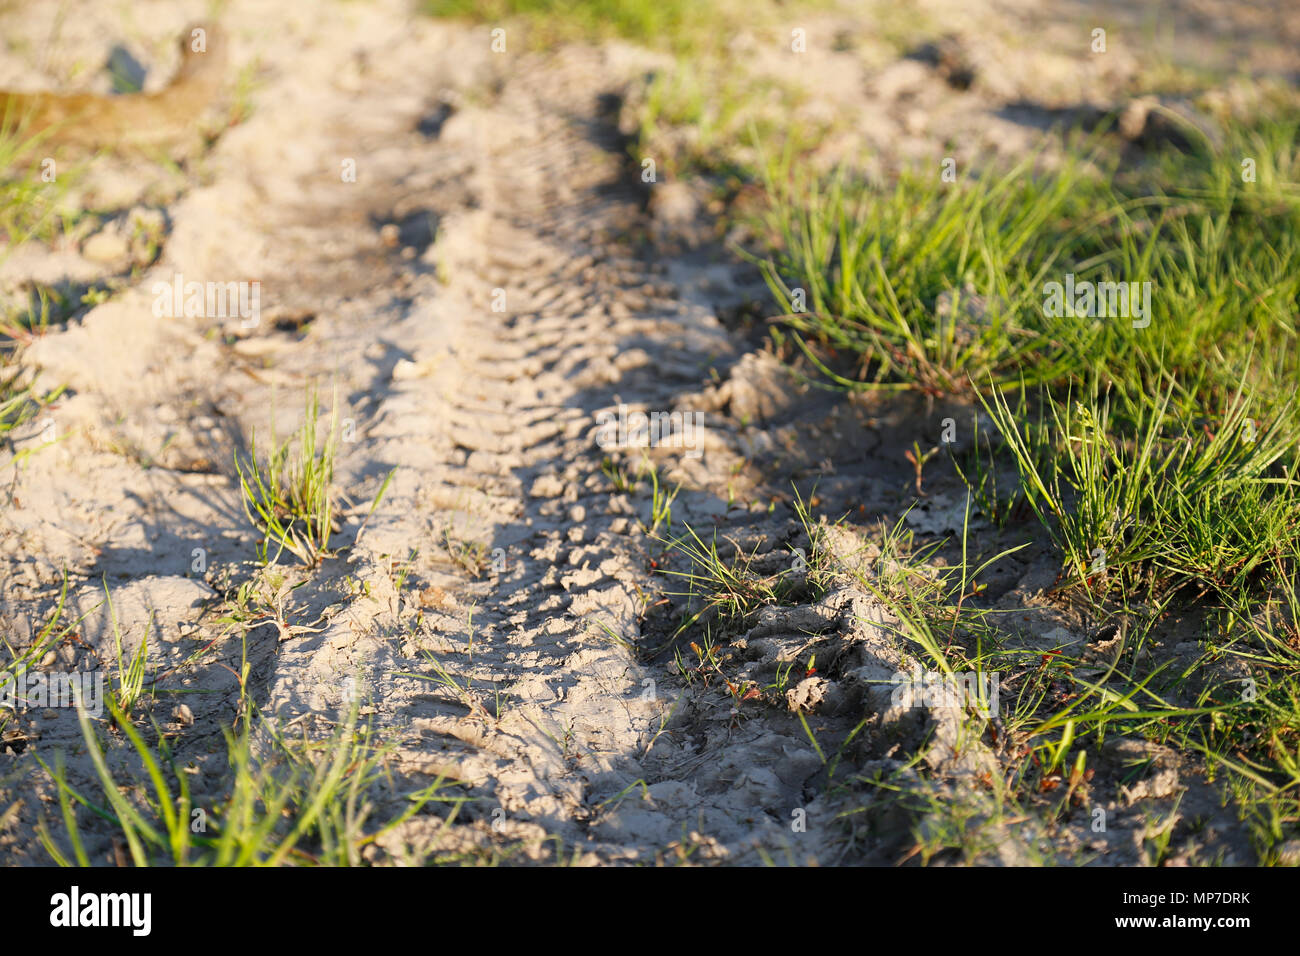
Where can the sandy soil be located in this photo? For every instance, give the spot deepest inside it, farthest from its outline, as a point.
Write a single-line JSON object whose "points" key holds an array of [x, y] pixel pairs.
{"points": [[484, 178]]}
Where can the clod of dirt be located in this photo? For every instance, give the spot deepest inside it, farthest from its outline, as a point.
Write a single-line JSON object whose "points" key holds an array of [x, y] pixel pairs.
{"points": [[1163, 783], [808, 694], [431, 123], [1152, 122], [949, 58]]}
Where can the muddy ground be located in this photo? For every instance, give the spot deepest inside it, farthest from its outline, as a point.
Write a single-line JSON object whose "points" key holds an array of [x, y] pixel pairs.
{"points": [[485, 180]]}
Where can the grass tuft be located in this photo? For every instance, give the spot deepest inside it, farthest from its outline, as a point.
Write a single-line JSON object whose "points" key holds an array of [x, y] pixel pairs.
{"points": [[289, 494], [288, 803]]}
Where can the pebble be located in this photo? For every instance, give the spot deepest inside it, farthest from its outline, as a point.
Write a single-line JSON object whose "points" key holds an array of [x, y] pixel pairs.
{"points": [[105, 248], [547, 486]]}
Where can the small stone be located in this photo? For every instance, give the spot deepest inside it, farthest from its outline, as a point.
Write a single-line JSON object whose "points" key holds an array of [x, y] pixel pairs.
{"points": [[547, 486], [182, 714], [405, 370], [673, 203], [106, 248]]}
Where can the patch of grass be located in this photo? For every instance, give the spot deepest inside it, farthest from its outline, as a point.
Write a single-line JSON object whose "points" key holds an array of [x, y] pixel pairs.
{"points": [[661, 505], [1160, 454], [1252, 737], [683, 25], [247, 84], [624, 480], [23, 325], [16, 401], [463, 693], [922, 283], [50, 636], [1165, 502], [701, 118], [287, 803], [289, 495], [1159, 451], [28, 203], [726, 586], [130, 676], [20, 402]]}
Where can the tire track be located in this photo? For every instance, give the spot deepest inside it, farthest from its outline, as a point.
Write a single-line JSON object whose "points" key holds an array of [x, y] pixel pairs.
{"points": [[490, 417], [521, 391]]}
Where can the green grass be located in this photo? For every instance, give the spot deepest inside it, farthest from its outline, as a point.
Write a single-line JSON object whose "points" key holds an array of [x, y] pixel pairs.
{"points": [[16, 404], [1164, 502], [934, 285], [472, 557], [286, 803], [702, 117], [28, 204], [628, 479], [1161, 458], [20, 401], [51, 634], [726, 587], [677, 23], [289, 495], [661, 505], [622, 479], [858, 271], [130, 674], [29, 210], [1158, 456]]}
